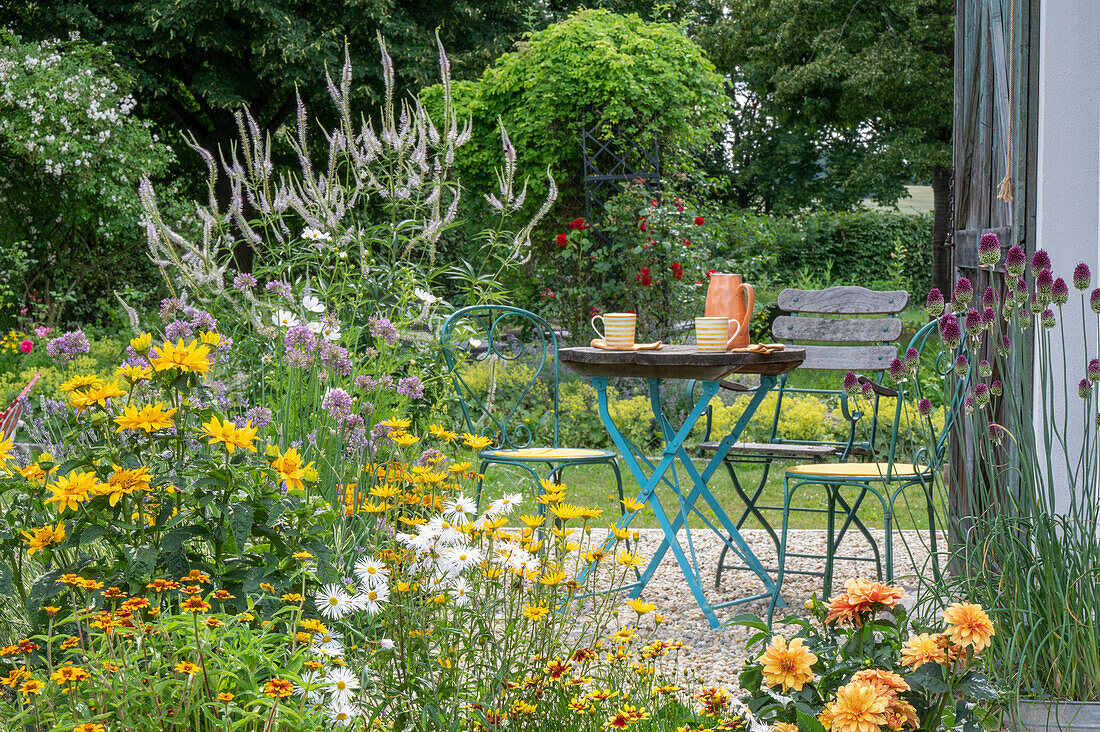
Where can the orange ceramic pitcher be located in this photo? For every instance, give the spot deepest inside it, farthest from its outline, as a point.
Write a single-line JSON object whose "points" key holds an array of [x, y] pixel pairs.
{"points": [[728, 296]]}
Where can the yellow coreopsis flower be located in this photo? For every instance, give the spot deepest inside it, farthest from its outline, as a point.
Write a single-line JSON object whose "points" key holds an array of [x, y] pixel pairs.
{"points": [[7, 447], [210, 338], [552, 576], [640, 607], [291, 468], [395, 423], [142, 342], [404, 439], [72, 490], [968, 625], [229, 434], [189, 358], [476, 442], [787, 666], [42, 538], [134, 374], [629, 559], [565, 511], [124, 482], [33, 472], [96, 396], [80, 383], [149, 418], [535, 613]]}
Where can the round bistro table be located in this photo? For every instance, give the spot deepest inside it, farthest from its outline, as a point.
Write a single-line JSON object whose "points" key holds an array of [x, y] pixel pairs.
{"points": [[707, 368]]}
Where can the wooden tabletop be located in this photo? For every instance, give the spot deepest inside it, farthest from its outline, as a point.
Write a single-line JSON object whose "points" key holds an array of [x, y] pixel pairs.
{"points": [[678, 362]]}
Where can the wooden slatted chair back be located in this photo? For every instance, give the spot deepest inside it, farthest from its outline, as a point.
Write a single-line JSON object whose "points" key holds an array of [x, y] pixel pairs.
{"points": [[837, 343]]}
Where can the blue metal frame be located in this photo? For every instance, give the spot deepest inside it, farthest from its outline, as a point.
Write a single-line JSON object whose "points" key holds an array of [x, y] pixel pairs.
{"points": [[887, 487], [489, 325], [665, 472]]}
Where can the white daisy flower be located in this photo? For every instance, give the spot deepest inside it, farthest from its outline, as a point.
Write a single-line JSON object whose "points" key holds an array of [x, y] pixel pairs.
{"points": [[333, 602], [425, 296], [342, 683], [316, 235], [374, 598], [504, 505], [331, 650], [285, 319], [462, 557], [326, 638], [457, 510], [341, 714], [461, 592], [371, 572], [313, 304]]}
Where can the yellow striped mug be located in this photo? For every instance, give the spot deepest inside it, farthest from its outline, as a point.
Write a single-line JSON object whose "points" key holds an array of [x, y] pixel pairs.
{"points": [[712, 334], [618, 329]]}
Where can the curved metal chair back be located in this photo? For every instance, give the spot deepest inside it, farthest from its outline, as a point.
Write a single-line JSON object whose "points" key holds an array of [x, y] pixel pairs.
{"points": [[501, 335]]}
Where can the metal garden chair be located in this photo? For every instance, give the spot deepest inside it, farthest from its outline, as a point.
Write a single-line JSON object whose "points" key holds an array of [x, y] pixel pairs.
{"points": [[859, 342], [887, 481], [500, 336]]}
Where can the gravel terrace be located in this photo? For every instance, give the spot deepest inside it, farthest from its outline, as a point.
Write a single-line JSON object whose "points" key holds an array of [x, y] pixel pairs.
{"points": [[715, 656]]}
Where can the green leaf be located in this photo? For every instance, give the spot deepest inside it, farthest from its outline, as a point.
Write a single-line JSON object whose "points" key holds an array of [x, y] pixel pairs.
{"points": [[976, 686], [240, 521], [5, 579], [750, 620], [806, 723], [174, 538], [142, 564], [45, 587], [928, 677]]}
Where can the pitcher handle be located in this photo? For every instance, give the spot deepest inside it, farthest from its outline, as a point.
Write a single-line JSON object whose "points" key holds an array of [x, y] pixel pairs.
{"points": [[750, 301]]}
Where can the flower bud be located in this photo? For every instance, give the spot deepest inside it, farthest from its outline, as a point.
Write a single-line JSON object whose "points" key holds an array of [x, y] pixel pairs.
{"points": [[1082, 276], [996, 434], [989, 250], [934, 304], [1060, 292], [950, 332], [851, 384], [1094, 300], [989, 298], [981, 394], [996, 388], [912, 360], [1040, 261], [1021, 291], [1092, 371], [1084, 388], [985, 370], [1024, 318], [968, 404], [141, 343], [897, 369], [964, 291], [1047, 318], [1015, 261], [1005, 346], [961, 365], [924, 407]]}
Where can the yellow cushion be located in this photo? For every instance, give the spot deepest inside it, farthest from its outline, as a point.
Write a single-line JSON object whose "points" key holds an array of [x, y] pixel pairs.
{"points": [[550, 453], [857, 470]]}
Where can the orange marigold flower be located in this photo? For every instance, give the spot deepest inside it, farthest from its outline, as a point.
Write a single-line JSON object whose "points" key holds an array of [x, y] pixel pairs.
{"points": [[162, 585], [69, 674], [969, 626], [225, 696], [187, 667], [113, 593], [72, 580], [195, 604], [223, 595], [278, 688], [195, 577], [89, 727], [32, 686]]}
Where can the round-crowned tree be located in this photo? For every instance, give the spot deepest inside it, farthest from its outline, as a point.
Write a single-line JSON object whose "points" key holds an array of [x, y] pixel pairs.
{"points": [[647, 81]]}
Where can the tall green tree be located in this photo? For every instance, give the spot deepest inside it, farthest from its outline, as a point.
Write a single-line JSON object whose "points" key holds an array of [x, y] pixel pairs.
{"points": [[196, 63], [872, 78]]}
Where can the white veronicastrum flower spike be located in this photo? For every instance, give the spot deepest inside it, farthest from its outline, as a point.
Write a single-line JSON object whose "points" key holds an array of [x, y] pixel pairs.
{"points": [[285, 319], [313, 304]]}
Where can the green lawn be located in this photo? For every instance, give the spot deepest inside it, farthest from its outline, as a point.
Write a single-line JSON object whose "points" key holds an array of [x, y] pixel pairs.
{"points": [[595, 486]]}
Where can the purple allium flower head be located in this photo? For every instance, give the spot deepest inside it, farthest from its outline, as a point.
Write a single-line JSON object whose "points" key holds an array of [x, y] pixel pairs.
{"points": [[168, 307], [279, 289], [300, 343], [981, 394], [989, 297], [1015, 261], [259, 416], [431, 456], [366, 383], [912, 359], [411, 387], [203, 320], [962, 365], [924, 407], [1036, 304], [968, 404], [1044, 282], [1040, 260], [1047, 318], [996, 388], [366, 407], [1024, 318], [68, 346], [337, 402], [989, 317], [934, 304], [1094, 300], [1021, 291], [964, 291], [985, 369], [382, 329], [1004, 347], [897, 369], [386, 382], [974, 322], [996, 434], [1084, 388], [244, 281], [851, 384], [989, 249], [177, 330], [950, 332], [335, 358], [1092, 371], [1059, 293], [866, 390], [1082, 276]]}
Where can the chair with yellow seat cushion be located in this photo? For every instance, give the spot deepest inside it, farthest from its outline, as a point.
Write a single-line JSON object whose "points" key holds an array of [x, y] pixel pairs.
{"points": [[503, 362], [885, 482]]}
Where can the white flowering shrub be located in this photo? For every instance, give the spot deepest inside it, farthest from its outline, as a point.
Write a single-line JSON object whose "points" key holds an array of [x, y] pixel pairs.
{"points": [[74, 153]]}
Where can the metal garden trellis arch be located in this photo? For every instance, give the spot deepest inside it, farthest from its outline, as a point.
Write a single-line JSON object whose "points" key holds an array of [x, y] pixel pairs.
{"points": [[609, 162]]}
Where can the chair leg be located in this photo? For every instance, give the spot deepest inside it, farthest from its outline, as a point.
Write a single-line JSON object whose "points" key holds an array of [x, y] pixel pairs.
{"points": [[782, 561], [929, 499], [830, 543], [480, 483]]}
